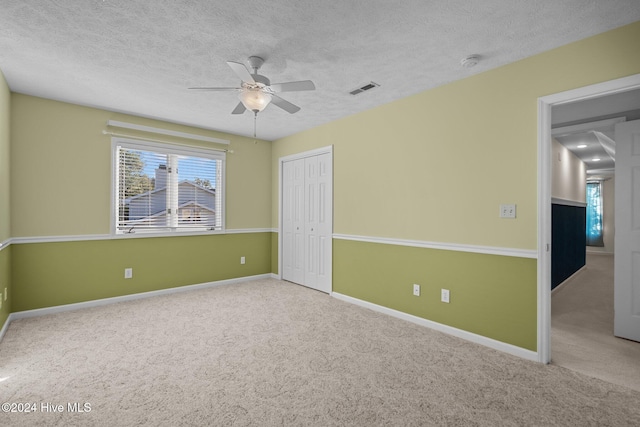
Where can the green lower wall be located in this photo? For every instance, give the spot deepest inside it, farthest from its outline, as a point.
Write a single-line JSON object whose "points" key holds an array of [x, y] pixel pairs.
{"points": [[5, 282], [50, 274], [493, 296], [274, 253]]}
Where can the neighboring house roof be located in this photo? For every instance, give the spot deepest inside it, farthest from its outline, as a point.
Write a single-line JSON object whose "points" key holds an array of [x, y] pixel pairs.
{"points": [[163, 212], [197, 205], [184, 181]]}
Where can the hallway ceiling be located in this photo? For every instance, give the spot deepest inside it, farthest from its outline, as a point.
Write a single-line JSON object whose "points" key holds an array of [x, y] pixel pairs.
{"points": [[139, 57], [587, 127]]}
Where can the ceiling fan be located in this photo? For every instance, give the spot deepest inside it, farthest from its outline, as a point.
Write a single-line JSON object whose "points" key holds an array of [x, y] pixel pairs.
{"points": [[256, 91]]}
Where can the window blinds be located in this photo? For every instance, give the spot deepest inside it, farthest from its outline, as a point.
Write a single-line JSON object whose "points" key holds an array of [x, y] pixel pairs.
{"points": [[161, 187], [594, 214]]}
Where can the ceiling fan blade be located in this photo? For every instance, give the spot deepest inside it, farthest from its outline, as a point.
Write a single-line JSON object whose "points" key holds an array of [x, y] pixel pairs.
{"points": [[240, 108], [214, 88], [285, 105], [241, 71], [293, 86]]}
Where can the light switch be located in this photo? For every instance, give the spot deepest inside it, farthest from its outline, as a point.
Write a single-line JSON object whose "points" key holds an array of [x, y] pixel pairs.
{"points": [[507, 211]]}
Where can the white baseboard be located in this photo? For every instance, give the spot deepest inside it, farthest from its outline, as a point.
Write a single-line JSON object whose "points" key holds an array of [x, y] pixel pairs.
{"points": [[6, 326], [567, 280], [591, 252], [105, 301], [469, 336], [478, 339]]}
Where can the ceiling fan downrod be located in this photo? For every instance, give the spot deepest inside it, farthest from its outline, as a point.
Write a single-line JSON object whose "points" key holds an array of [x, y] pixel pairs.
{"points": [[255, 62]]}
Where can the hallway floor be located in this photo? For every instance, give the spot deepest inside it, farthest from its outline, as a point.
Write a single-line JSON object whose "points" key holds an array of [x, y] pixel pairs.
{"points": [[582, 327]]}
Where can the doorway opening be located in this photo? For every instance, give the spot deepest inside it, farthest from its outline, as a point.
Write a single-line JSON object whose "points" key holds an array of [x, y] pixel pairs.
{"points": [[545, 120]]}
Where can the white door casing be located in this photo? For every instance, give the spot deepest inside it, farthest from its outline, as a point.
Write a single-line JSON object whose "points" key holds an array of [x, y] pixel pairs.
{"points": [[544, 194], [627, 234], [306, 224]]}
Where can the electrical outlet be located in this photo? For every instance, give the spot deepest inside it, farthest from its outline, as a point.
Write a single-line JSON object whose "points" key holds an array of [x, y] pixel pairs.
{"points": [[507, 211], [444, 295], [128, 273], [242, 260], [416, 290]]}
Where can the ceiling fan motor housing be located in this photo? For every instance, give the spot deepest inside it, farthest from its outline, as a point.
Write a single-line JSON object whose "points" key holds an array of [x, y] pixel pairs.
{"points": [[261, 80], [255, 62]]}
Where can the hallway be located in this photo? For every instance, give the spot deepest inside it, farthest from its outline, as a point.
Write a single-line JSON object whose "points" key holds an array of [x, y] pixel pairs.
{"points": [[582, 327]]}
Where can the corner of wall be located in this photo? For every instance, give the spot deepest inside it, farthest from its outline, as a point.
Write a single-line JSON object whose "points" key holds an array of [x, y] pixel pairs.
{"points": [[5, 198], [5, 162], [569, 175], [5, 287]]}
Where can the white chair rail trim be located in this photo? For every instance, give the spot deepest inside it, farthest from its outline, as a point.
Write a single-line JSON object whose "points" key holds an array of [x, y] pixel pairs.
{"points": [[489, 250], [86, 237]]}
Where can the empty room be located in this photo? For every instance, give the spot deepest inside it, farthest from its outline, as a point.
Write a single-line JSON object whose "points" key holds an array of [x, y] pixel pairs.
{"points": [[296, 213]]}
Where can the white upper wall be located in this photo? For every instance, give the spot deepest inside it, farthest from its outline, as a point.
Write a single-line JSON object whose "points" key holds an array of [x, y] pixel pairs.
{"points": [[569, 175]]}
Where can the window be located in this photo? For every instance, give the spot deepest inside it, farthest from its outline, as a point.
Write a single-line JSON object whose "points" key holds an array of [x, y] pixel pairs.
{"points": [[594, 214], [167, 188]]}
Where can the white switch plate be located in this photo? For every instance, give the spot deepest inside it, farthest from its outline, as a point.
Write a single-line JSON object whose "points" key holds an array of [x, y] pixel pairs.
{"points": [[416, 290], [444, 295], [507, 211], [242, 260], [128, 273], [5, 294]]}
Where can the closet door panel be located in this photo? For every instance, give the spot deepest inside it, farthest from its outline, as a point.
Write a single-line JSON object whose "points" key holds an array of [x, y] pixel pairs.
{"points": [[307, 218]]}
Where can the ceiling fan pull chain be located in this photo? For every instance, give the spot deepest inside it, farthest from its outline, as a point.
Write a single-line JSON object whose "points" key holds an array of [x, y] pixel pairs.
{"points": [[255, 120]]}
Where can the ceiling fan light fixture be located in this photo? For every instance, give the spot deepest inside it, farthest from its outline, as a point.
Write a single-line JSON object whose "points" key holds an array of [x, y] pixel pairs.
{"points": [[255, 100], [256, 91]]}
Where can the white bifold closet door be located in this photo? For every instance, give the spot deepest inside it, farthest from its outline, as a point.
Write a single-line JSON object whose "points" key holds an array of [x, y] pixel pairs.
{"points": [[626, 292], [307, 209]]}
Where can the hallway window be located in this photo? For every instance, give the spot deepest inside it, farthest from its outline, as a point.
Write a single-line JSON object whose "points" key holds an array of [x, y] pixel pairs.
{"points": [[594, 214]]}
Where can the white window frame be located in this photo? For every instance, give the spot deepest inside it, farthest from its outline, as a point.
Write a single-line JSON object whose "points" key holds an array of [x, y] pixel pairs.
{"points": [[168, 148]]}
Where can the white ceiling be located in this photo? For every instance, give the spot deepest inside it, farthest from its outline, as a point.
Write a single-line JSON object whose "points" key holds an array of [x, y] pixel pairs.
{"points": [[140, 56]]}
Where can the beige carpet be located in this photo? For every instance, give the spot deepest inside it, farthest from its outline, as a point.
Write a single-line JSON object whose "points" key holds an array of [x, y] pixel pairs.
{"points": [[582, 327], [269, 353]]}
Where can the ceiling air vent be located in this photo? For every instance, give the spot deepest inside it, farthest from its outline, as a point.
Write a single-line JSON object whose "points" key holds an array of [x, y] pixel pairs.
{"points": [[364, 88]]}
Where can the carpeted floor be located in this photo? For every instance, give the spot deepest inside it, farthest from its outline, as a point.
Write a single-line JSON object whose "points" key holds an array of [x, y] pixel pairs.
{"points": [[269, 353], [582, 327]]}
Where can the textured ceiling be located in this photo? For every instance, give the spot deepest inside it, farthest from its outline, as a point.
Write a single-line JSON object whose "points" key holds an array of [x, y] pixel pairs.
{"points": [[140, 57]]}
